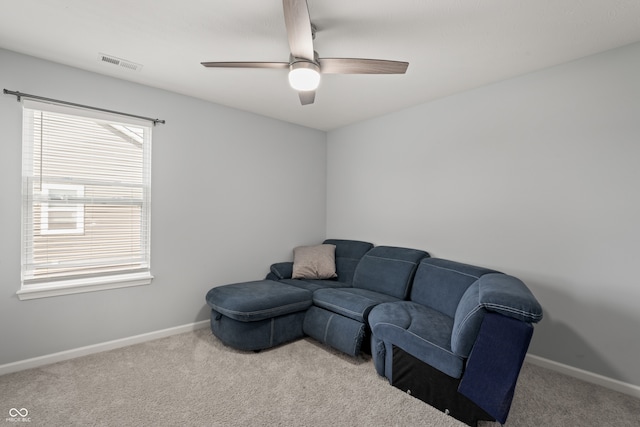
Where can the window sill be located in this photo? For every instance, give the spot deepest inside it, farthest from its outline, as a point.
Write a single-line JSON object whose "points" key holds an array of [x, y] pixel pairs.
{"points": [[76, 286]]}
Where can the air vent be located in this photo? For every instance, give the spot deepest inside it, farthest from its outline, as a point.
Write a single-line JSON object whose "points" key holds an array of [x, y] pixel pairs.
{"points": [[109, 59]]}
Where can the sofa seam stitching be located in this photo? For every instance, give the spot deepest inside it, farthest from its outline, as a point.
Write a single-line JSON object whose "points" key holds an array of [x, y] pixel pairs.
{"points": [[326, 328], [455, 271], [222, 309], [273, 321], [391, 259], [329, 305], [523, 313], [464, 321]]}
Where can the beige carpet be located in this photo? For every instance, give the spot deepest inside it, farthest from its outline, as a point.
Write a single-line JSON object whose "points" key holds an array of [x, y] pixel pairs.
{"points": [[193, 380]]}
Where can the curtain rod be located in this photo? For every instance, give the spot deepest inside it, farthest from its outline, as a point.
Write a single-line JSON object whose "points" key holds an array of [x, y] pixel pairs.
{"points": [[57, 101]]}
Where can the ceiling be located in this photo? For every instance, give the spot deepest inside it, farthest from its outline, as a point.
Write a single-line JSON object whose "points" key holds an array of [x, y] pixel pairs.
{"points": [[451, 45]]}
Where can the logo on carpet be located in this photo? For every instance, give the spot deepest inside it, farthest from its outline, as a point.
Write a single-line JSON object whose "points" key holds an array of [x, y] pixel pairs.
{"points": [[18, 416]]}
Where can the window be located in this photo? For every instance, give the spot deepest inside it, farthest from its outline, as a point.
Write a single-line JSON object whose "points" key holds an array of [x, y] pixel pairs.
{"points": [[86, 193]]}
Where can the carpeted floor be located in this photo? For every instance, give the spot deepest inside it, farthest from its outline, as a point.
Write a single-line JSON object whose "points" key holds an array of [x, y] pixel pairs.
{"points": [[192, 380]]}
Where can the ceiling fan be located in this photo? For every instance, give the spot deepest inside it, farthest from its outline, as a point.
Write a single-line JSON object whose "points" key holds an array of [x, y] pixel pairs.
{"points": [[304, 65]]}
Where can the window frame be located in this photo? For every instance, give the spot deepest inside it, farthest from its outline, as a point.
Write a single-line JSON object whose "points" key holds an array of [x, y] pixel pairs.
{"points": [[47, 287]]}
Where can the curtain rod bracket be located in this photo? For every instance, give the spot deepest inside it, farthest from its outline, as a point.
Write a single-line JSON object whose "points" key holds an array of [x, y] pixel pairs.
{"points": [[17, 94]]}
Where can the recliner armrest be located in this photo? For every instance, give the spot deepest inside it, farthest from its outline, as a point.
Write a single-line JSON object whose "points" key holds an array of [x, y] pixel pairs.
{"points": [[493, 367], [508, 296], [496, 292]]}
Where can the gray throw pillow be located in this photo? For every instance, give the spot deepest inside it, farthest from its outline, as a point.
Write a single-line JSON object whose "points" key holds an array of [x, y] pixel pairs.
{"points": [[314, 262]]}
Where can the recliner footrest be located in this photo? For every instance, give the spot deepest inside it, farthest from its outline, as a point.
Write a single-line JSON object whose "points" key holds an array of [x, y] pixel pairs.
{"points": [[339, 332]]}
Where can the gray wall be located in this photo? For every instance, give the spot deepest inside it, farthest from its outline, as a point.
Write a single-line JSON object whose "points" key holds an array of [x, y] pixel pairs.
{"points": [[230, 195], [537, 176]]}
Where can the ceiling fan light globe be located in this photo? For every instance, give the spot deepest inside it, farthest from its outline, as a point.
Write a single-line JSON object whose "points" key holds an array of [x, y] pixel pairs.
{"points": [[304, 76]]}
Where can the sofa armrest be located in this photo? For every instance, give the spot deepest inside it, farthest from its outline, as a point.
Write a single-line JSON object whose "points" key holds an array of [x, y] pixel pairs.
{"points": [[508, 296], [492, 292], [493, 367], [281, 270]]}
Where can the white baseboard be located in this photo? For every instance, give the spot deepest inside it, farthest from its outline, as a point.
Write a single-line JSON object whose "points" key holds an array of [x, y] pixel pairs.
{"points": [[601, 380], [35, 362]]}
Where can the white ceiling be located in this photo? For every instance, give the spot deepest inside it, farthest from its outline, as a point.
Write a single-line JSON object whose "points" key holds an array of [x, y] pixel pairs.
{"points": [[451, 45]]}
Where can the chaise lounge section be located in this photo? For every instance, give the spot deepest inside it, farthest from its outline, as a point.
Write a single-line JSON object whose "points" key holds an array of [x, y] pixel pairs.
{"points": [[258, 315], [451, 334], [262, 314]]}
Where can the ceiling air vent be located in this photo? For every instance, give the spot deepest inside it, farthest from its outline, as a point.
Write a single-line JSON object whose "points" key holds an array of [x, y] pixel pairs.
{"points": [[109, 59]]}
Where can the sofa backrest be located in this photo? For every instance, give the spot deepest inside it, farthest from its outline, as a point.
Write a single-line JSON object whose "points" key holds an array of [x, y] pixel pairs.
{"points": [[388, 270], [440, 283], [348, 255]]}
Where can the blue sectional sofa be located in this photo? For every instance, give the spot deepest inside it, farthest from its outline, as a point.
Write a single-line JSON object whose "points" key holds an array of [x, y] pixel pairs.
{"points": [[451, 334]]}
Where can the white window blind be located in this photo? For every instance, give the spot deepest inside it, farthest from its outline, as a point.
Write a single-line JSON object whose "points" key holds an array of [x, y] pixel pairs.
{"points": [[86, 200]]}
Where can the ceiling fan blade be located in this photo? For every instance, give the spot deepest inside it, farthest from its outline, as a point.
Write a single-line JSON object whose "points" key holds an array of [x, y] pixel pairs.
{"points": [[298, 23], [361, 66], [307, 97], [246, 64]]}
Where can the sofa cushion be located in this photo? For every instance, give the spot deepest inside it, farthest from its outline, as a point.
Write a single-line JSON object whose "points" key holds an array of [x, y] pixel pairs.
{"points": [[419, 330], [348, 255], [258, 300], [314, 284], [440, 283], [388, 270], [314, 262], [354, 303]]}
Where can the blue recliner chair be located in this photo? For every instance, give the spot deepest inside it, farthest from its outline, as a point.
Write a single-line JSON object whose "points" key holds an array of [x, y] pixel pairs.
{"points": [[460, 340]]}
